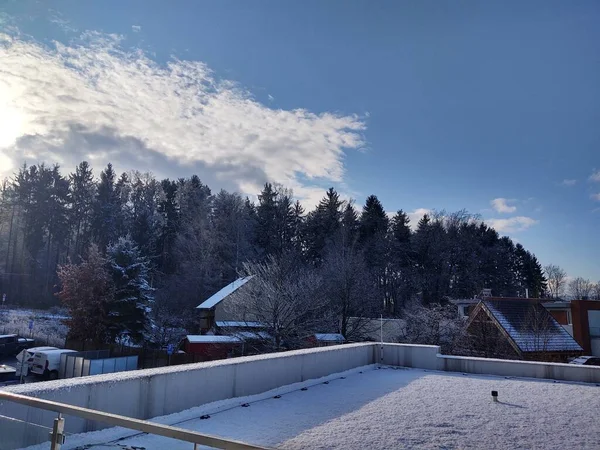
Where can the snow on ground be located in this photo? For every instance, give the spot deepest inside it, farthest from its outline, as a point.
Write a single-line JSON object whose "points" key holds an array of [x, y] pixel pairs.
{"points": [[48, 327], [392, 408]]}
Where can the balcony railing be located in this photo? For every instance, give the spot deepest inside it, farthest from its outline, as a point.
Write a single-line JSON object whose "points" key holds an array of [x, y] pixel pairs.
{"points": [[57, 436]]}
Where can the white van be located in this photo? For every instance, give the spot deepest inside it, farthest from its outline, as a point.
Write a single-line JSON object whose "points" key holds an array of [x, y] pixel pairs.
{"points": [[47, 362], [28, 354]]}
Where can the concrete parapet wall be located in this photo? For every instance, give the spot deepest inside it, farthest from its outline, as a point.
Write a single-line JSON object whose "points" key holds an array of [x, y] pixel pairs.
{"points": [[151, 393], [409, 355], [144, 394], [521, 369]]}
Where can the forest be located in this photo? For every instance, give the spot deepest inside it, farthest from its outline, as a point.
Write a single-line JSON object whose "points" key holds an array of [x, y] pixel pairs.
{"points": [[181, 242]]}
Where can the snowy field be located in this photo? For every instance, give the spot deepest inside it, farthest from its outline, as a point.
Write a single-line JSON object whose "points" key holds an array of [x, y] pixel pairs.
{"points": [[48, 327], [390, 408]]}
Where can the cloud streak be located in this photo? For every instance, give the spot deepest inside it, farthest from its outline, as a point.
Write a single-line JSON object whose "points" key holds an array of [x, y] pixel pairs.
{"points": [[595, 176], [512, 224], [501, 205], [94, 100], [568, 183]]}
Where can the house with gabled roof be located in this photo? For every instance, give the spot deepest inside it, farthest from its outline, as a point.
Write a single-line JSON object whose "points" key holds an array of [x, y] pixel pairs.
{"points": [[519, 329], [213, 310]]}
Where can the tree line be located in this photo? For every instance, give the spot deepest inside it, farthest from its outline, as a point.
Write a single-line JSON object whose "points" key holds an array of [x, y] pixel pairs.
{"points": [[194, 241]]}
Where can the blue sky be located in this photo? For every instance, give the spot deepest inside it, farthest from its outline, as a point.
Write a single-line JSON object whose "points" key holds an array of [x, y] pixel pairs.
{"points": [[489, 106]]}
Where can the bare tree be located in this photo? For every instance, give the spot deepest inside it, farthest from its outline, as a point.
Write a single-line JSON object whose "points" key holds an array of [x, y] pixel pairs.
{"points": [[434, 325], [286, 297], [349, 290], [580, 288], [556, 280], [596, 294], [537, 331]]}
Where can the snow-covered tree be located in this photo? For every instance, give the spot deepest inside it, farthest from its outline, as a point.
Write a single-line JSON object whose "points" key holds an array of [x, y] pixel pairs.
{"points": [[287, 297], [133, 296], [434, 325]]}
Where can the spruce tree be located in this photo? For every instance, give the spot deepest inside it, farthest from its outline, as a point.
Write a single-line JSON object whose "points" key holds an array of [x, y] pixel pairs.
{"points": [[133, 296]]}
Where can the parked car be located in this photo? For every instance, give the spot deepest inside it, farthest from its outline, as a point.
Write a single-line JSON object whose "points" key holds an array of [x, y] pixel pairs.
{"points": [[586, 361], [11, 344], [46, 363], [7, 373], [28, 354]]}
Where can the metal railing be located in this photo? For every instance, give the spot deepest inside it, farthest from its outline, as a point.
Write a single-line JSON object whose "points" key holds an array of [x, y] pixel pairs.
{"points": [[57, 435]]}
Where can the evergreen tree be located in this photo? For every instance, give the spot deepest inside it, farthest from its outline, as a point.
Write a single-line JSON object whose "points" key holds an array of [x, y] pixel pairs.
{"points": [[401, 260], [168, 208], [106, 210], [266, 232], [83, 191], [323, 224], [133, 296]]}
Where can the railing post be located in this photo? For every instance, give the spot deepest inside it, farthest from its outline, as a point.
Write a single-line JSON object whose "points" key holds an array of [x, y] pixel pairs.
{"points": [[57, 437]]}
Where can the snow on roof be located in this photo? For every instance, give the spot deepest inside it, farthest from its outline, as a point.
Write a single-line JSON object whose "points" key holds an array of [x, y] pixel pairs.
{"points": [[329, 337], [238, 324], [215, 299], [203, 338], [253, 335], [430, 410], [515, 316]]}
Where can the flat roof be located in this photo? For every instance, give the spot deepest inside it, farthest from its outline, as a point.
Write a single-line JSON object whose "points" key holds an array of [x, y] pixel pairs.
{"points": [[392, 408], [207, 338]]}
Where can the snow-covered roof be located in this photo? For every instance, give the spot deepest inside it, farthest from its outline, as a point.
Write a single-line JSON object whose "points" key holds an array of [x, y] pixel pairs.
{"points": [[208, 339], [238, 324], [352, 411], [215, 299], [543, 333], [329, 337], [253, 335]]}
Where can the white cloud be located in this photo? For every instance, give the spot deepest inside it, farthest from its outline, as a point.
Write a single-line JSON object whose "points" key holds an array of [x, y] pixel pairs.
{"points": [[271, 98], [595, 176], [136, 28], [501, 205], [94, 100], [567, 182], [414, 216], [596, 197], [512, 224]]}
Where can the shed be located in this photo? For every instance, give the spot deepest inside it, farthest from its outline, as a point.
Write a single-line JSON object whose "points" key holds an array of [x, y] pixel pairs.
{"points": [[212, 347], [325, 339]]}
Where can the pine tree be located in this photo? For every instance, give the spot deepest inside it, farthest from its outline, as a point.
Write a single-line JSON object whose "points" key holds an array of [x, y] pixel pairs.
{"points": [[266, 232], [372, 236], [83, 191], [133, 296], [323, 225], [170, 224], [106, 210], [402, 260]]}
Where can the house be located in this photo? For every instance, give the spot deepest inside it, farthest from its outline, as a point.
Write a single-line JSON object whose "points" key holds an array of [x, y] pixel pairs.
{"points": [[214, 309], [465, 306], [561, 311], [212, 347], [324, 339], [581, 318], [519, 329]]}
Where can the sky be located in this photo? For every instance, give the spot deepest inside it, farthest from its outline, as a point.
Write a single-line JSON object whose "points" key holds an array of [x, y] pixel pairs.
{"points": [[492, 107]]}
